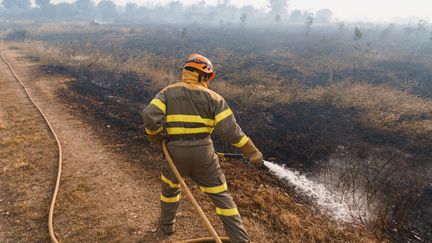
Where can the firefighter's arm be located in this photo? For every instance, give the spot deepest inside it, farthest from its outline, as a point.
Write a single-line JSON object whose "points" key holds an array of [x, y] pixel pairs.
{"points": [[154, 116], [227, 128]]}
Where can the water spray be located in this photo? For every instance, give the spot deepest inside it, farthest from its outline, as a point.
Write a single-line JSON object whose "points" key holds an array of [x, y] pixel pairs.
{"points": [[337, 205]]}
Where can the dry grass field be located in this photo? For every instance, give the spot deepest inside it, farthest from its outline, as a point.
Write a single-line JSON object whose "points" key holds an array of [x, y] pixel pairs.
{"points": [[110, 184], [308, 101]]}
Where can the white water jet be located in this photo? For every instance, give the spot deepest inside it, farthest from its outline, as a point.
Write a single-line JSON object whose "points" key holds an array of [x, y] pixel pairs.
{"points": [[336, 204]]}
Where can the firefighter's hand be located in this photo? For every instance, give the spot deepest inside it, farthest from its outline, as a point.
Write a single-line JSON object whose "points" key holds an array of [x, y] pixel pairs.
{"points": [[257, 159], [155, 140], [252, 154]]}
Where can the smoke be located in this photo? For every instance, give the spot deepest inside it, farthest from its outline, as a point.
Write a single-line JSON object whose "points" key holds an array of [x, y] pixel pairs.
{"points": [[174, 12]]}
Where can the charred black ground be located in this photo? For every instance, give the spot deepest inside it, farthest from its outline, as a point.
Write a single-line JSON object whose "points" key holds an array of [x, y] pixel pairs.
{"points": [[300, 134], [296, 95]]}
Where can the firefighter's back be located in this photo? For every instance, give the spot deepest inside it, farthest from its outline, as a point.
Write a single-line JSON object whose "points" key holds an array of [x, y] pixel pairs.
{"points": [[190, 111]]}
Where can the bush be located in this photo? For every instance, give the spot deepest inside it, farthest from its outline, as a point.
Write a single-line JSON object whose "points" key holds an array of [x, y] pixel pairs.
{"points": [[17, 35]]}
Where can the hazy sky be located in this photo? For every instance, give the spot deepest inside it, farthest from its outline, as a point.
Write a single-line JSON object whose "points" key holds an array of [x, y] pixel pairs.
{"points": [[385, 10]]}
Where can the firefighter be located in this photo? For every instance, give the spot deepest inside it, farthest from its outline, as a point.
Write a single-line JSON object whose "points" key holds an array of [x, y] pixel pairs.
{"points": [[188, 112]]}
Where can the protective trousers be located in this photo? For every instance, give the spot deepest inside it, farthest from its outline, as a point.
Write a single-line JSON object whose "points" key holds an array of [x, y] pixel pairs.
{"points": [[197, 160]]}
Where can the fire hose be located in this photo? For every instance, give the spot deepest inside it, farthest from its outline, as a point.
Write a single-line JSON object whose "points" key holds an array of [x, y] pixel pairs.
{"points": [[60, 156]]}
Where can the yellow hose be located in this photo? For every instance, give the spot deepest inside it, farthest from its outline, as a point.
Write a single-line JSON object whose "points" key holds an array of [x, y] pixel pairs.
{"points": [[60, 158], [206, 239]]}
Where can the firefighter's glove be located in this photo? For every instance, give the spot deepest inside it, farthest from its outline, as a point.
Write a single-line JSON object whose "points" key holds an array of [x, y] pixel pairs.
{"points": [[155, 140], [252, 154]]}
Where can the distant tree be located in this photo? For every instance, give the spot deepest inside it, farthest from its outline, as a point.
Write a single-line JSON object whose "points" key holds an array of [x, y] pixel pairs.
{"points": [[85, 7], [201, 4], [16, 35], [175, 5], [296, 16], [243, 19], [131, 8], [174, 10], [224, 3], [421, 26], [249, 10], [278, 7], [47, 10], [386, 32], [16, 4], [358, 35], [24, 4], [107, 9], [278, 18], [43, 3], [323, 15], [184, 32], [340, 24], [409, 29], [309, 22], [66, 10]]}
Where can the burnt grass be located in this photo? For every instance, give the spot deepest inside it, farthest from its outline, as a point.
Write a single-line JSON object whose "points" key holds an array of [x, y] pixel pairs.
{"points": [[302, 135], [298, 134], [411, 73]]}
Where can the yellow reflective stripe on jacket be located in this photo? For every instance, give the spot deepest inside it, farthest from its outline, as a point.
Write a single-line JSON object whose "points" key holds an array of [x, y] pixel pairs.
{"points": [[214, 189], [170, 199], [224, 114], [185, 130], [190, 118], [242, 142], [159, 104], [227, 211], [150, 132], [170, 183]]}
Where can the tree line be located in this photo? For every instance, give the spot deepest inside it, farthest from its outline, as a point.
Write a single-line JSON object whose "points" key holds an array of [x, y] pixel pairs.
{"points": [[224, 13]]}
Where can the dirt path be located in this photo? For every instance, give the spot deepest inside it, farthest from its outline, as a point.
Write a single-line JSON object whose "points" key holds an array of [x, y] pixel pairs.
{"points": [[103, 195], [27, 165]]}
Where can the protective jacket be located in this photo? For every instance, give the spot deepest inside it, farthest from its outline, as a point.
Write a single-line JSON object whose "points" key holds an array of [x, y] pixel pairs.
{"points": [[189, 109]]}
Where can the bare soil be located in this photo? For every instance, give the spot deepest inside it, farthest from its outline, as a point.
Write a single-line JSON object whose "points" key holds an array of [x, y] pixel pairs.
{"points": [[110, 185], [27, 165]]}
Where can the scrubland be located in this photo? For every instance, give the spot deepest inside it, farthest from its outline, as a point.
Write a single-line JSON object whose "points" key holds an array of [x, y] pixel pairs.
{"points": [[354, 113]]}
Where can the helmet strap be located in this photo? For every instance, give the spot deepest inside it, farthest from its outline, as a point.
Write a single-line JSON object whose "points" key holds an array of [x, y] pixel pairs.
{"points": [[202, 78]]}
